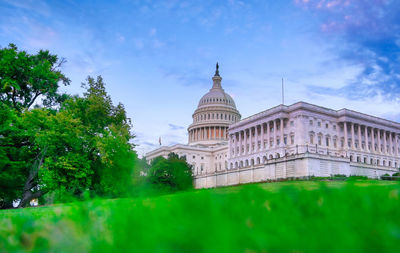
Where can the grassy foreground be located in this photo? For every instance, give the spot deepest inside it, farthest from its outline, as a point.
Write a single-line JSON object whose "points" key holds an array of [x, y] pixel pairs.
{"points": [[362, 216]]}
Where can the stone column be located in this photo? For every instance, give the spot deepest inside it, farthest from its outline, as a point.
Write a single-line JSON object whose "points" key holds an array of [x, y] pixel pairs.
{"points": [[274, 133], [359, 137], [201, 133], [268, 134], [235, 143], [391, 144], [384, 142], [240, 142], [352, 136], [281, 123], [257, 138], [251, 139], [397, 144], [245, 141], [366, 138], [379, 140], [373, 139], [346, 145], [262, 137]]}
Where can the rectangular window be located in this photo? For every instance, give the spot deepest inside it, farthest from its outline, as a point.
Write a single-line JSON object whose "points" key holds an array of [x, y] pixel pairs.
{"points": [[319, 140], [311, 139], [319, 124], [292, 139], [285, 140], [311, 122]]}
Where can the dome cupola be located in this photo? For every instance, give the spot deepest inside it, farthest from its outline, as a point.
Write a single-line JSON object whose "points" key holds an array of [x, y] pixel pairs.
{"points": [[215, 112]]}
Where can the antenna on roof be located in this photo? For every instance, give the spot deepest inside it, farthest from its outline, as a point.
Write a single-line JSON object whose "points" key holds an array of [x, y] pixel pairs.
{"points": [[283, 94]]}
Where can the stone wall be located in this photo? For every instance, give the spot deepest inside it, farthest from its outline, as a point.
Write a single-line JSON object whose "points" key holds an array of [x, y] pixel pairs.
{"points": [[297, 166]]}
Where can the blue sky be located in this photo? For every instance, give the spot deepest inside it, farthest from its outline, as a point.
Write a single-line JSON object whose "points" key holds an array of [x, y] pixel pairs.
{"points": [[158, 57]]}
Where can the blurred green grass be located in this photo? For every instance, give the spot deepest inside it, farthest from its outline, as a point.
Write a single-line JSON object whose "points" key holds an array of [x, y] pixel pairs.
{"points": [[298, 216]]}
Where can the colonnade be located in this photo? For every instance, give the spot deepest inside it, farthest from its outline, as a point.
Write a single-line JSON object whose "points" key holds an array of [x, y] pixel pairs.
{"points": [[208, 133], [247, 140], [375, 140]]}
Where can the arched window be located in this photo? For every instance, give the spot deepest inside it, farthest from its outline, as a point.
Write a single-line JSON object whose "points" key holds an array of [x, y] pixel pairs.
{"points": [[236, 165], [271, 157], [371, 161], [351, 158], [252, 162], [246, 163], [365, 160], [241, 164], [258, 160], [278, 155]]}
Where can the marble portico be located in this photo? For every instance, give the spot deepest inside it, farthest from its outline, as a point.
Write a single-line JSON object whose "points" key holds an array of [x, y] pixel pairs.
{"points": [[286, 141]]}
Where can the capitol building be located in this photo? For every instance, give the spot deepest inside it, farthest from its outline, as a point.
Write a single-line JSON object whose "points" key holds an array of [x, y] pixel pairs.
{"points": [[286, 141]]}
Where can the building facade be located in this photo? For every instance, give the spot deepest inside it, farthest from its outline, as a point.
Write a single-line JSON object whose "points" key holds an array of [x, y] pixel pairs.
{"points": [[294, 141]]}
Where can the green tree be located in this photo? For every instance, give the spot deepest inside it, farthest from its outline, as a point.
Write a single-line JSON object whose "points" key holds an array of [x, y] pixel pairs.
{"points": [[25, 77], [171, 174], [83, 146], [14, 156]]}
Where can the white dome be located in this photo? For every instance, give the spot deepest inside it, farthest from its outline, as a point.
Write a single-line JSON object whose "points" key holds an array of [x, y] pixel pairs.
{"points": [[217, 97], [215, 112]]}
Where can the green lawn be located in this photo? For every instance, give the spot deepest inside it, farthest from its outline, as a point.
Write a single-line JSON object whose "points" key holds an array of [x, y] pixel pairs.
{"points": [[298, 216]]}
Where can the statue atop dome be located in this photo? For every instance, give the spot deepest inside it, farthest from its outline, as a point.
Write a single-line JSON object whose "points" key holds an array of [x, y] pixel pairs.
{"points": [[217, 70]]}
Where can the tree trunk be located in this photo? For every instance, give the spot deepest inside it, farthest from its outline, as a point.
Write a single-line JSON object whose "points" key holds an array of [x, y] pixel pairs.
{"points": [[31, 182]]}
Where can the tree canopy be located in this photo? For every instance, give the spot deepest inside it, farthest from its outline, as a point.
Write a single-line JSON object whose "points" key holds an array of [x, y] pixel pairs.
{"points": [[26, 77], [65, 146], [171, 174]]}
